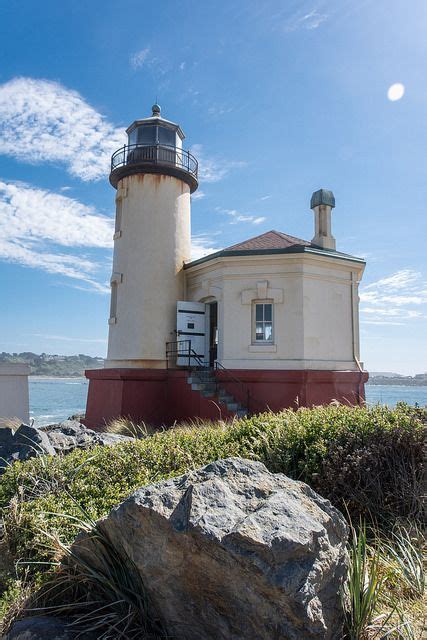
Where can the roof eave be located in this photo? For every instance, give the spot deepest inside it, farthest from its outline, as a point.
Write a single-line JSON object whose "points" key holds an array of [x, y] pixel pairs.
{"points": [[336, 255]]}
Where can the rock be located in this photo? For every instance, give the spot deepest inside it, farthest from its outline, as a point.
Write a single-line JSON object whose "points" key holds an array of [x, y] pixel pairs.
{"points": [[31, 442], [43, 627], [108, 439], [233, 552], [71, 434], [26, 442]]}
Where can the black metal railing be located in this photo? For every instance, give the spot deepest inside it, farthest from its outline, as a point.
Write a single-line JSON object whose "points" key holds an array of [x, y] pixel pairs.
{"points": [[205, 372], [161, 154], [182, 349], [227, 376]]}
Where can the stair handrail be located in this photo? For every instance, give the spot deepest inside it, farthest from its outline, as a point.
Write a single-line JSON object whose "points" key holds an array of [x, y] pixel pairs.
{"points": [[243, 386]]}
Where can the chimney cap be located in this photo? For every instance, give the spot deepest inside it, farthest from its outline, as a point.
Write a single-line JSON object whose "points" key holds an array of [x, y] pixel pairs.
{"points": [[322, 196]]}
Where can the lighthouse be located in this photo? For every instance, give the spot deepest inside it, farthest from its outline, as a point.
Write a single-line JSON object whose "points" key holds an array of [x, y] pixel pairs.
{"points": [[268, 323], [154, 177]]}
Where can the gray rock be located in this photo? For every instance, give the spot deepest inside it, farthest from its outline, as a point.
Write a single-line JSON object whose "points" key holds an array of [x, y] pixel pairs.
{"points": [[69, 435], [6, 435], [31, 442], [26, 442], [108, 439], [44, 628], [233, 552]]}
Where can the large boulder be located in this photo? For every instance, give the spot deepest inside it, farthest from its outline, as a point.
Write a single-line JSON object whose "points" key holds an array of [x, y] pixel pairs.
{"points": [[233, 552]]}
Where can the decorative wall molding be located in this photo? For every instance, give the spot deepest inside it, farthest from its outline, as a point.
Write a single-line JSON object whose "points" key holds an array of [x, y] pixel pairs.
{"points": [[116, 278], [262, 292]]}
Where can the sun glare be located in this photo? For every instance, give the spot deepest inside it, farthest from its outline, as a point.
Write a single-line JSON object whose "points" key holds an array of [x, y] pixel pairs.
{"points": [[396, 91]]}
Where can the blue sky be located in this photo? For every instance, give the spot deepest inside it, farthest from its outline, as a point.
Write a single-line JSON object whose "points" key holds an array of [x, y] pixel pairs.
{"points": [[277, 99]]}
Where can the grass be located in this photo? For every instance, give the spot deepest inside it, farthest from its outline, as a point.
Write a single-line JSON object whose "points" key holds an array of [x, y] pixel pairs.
{"points": [[384, 596], [366, 460], [98, 589]]}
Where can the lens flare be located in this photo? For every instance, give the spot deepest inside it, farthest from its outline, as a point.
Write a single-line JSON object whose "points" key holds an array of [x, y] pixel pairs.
{"points": [[396, 91]]}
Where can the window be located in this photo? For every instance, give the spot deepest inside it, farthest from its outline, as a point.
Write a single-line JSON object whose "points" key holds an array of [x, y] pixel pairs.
{"points": [[263, 322], [147, 134], [119, 208], [113, 303], [166, 136]]}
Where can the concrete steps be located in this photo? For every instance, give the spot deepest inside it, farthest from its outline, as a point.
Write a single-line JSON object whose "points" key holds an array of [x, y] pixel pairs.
{"points": [[207, 386]]}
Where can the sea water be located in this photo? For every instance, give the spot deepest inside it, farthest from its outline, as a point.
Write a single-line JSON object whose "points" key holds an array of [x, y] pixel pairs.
{"points": [[55, 399]]}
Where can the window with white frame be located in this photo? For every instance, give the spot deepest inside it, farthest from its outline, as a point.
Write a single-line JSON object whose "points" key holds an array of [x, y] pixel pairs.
{"points": [[262, 323]]}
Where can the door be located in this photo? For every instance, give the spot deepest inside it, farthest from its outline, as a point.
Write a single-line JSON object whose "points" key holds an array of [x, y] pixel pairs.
{"points": [[213, 332], [191, 332]]}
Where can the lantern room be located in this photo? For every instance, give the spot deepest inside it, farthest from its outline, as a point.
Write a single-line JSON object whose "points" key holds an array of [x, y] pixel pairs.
{"points": [[154, 131]]}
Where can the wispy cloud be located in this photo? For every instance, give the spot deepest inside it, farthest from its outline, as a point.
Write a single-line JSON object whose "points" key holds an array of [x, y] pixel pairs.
{"points": [[42, 121], [213, 169], [139, 58], [69, 339], [146, 59], [391, 300], [198, 195], [305, 20], [37, 226], [201, 246], [237, 216]]}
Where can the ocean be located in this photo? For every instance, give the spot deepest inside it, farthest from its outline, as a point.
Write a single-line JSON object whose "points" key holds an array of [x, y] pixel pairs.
{"points": [[55, 399]]}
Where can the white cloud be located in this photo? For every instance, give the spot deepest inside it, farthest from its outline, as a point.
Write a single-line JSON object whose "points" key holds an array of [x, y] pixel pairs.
{"points": [[198, 195], [202, 246], [35, 222], [265, 198], [68, 338], [42, 121], [139, 58], [301, 20], [243, 217], [213, 169], [390, 300]]}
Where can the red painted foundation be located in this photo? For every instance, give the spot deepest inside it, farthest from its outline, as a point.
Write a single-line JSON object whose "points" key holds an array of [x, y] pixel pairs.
{"points": [[162, 397]]}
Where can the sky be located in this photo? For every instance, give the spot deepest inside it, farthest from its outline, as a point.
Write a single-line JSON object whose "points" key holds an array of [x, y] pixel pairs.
{"points": [[277, 99]]}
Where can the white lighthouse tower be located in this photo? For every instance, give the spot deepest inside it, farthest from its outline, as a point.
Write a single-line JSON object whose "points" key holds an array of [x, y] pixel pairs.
{"points": [[154, 178]]}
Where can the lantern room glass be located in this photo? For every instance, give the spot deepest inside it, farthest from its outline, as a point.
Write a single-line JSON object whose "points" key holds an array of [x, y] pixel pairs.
{"points": [[148, 134]]}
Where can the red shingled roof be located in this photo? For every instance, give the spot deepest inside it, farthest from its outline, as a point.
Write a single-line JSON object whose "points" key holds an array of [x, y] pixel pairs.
{"points": [[269, 240]]}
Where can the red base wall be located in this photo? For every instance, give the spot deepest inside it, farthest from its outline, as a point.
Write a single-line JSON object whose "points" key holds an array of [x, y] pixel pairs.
{"points": [[162, 397]]}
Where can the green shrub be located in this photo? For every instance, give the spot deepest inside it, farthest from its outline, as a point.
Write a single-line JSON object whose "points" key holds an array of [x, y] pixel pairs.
{"points": [[370, 459]]}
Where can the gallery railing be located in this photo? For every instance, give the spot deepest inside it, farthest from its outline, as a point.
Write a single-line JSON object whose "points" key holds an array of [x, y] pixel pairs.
{"points": [[161, 154]]}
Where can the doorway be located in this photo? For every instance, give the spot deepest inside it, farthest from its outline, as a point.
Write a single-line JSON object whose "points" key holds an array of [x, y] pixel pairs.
{"points": [[213, 332]]}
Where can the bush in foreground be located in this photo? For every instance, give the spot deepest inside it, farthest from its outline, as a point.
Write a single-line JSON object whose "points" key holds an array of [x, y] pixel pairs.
{"points": [[367, 461]]}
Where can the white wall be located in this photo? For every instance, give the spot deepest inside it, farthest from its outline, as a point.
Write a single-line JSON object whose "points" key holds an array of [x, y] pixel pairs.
{"points": [[14, 402], [149, 252], [315, 309]]}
